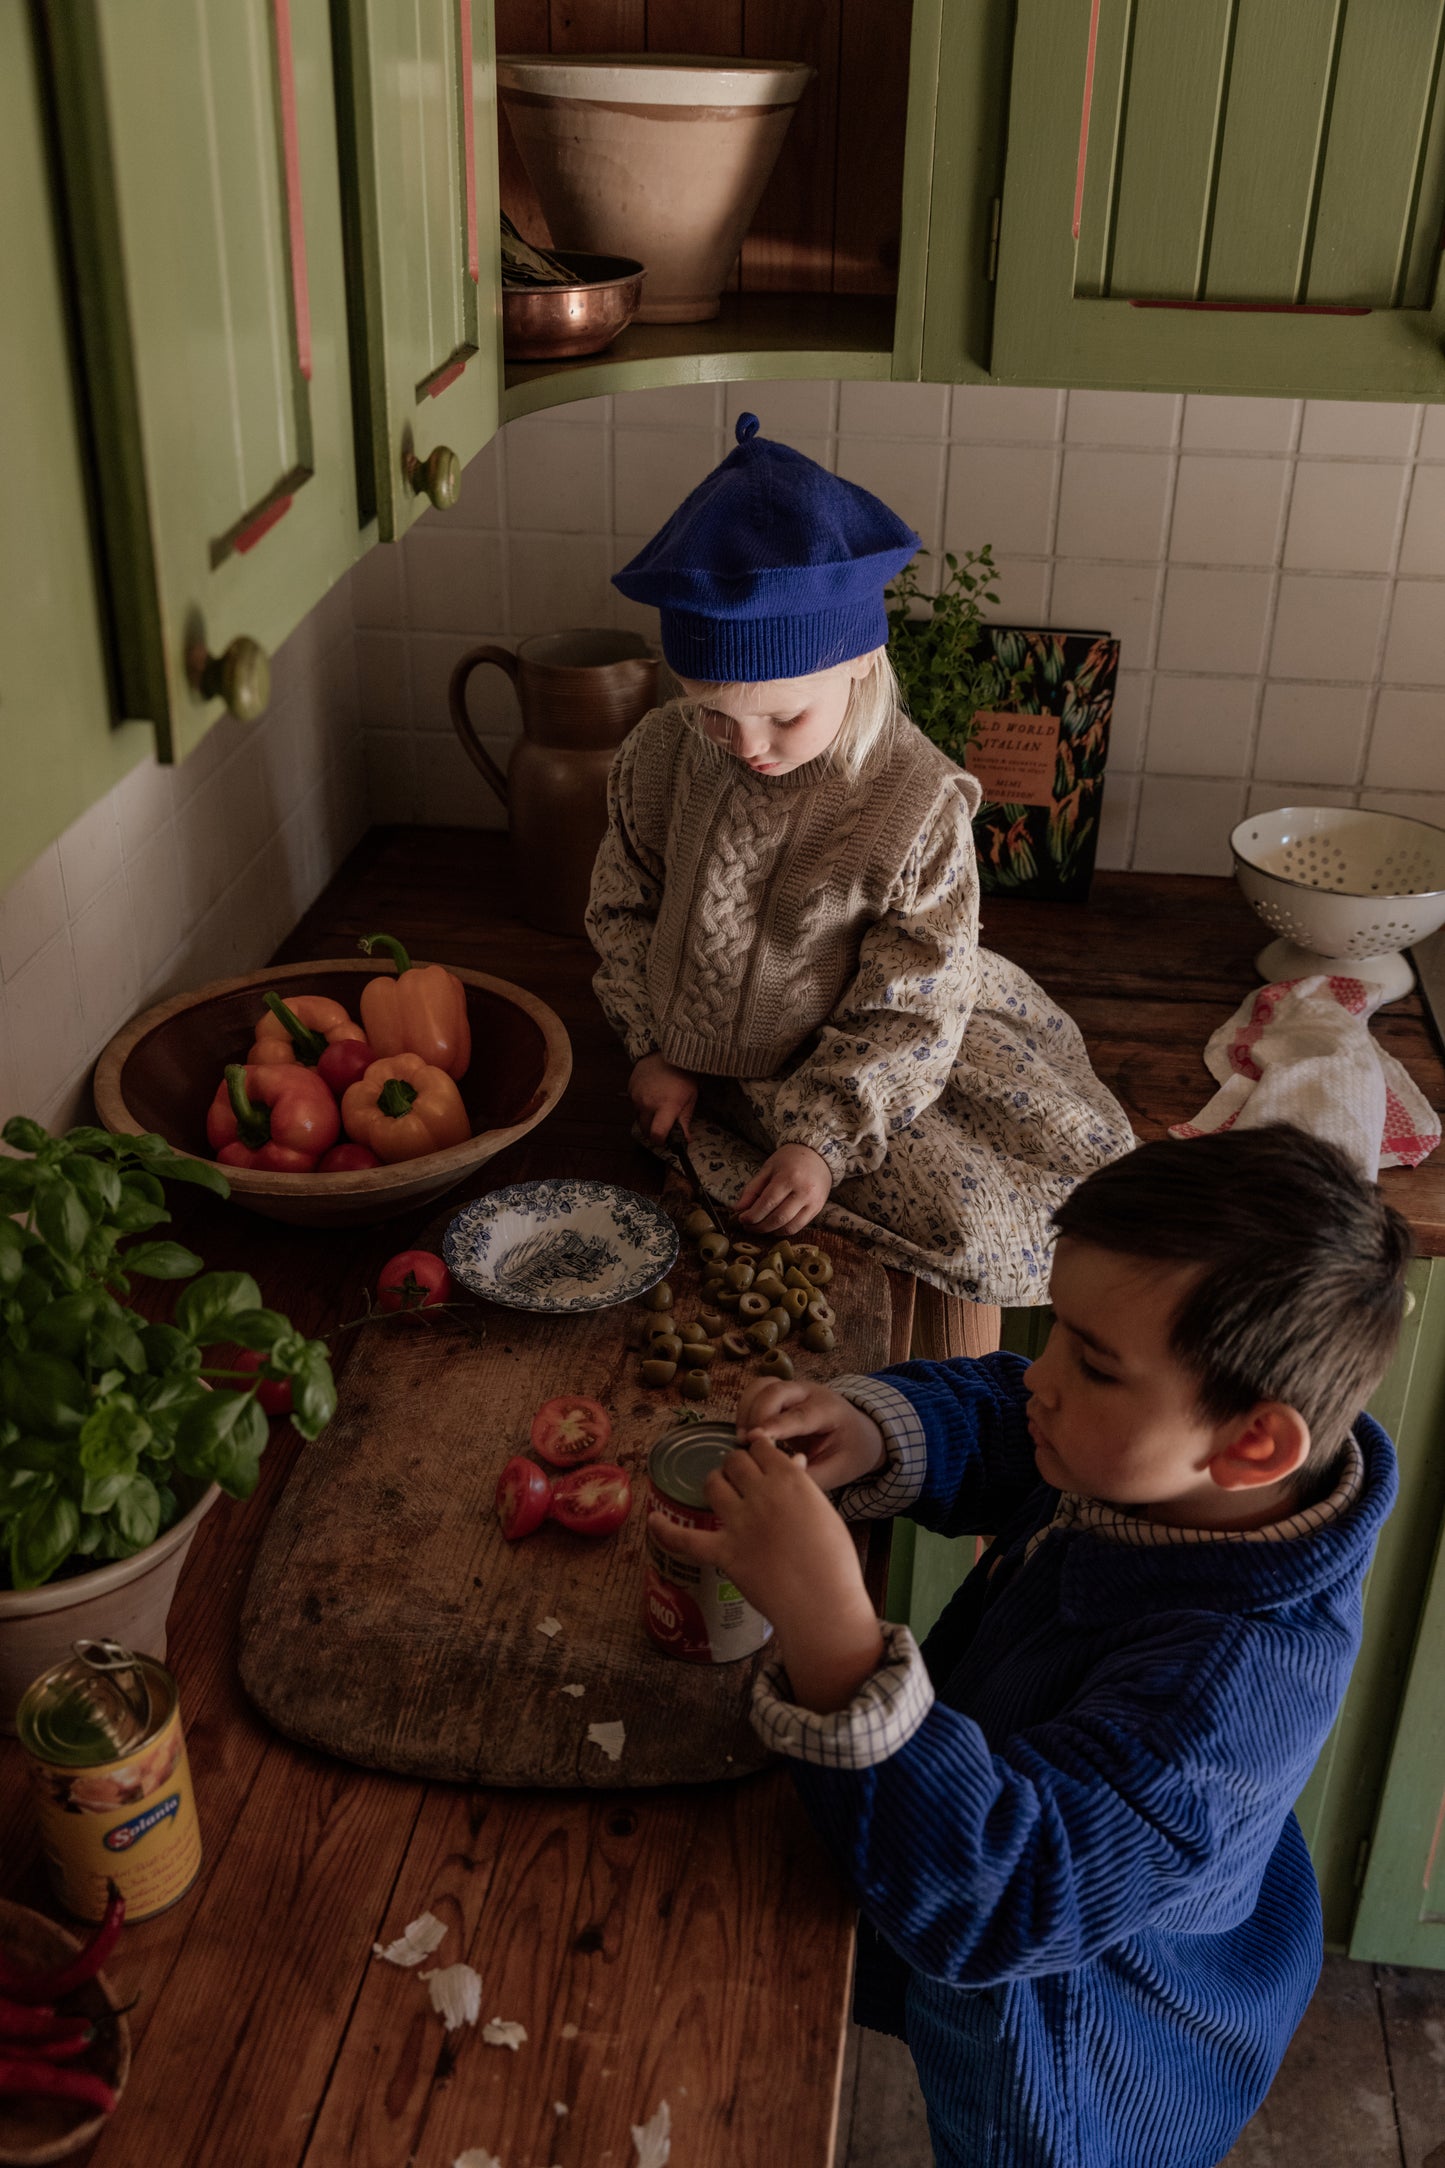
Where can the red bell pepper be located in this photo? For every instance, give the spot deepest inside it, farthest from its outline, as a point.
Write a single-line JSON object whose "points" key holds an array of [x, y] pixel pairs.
{"points": [[305, 1032], [278, 1118]]}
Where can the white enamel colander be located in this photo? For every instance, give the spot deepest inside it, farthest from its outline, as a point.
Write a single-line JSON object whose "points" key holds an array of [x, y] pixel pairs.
{"points": [[1344, 892]]}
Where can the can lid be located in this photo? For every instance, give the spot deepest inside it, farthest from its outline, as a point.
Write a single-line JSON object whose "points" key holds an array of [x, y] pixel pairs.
{"points": [[99, 1704], [682, 1460]]}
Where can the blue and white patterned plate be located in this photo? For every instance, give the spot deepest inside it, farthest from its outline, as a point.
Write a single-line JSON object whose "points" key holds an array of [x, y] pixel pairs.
{"points": [[560, 1247]]}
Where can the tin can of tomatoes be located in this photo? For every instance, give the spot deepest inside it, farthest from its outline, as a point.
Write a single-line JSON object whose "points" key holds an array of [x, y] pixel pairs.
{"points": [[694, 1612], [112, 1786]]}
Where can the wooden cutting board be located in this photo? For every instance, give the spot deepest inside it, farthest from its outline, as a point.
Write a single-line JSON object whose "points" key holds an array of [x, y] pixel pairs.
{"points": [[387, 1620]]}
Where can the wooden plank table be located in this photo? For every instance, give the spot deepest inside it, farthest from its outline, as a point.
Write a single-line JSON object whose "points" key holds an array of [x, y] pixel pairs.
{"points": [[691, 1945]]}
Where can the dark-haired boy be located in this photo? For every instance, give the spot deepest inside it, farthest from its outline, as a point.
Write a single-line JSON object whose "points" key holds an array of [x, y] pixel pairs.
{"points": [[1087, 1905]]}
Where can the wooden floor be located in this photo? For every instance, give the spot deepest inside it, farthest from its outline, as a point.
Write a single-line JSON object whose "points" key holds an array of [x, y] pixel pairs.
{"points": [[1363, 2085]]}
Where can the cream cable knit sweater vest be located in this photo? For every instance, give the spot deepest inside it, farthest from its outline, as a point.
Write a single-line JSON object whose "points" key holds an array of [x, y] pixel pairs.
{"points": [[769, 882]]}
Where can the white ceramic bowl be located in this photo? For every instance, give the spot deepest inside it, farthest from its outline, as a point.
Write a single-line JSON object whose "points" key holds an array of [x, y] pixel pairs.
{"points": [[660, 156], [560, 1247], [1343, 885]]}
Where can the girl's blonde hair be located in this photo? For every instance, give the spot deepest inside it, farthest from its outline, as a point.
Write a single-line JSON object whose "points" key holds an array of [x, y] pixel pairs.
{"points": [[873, 699]]}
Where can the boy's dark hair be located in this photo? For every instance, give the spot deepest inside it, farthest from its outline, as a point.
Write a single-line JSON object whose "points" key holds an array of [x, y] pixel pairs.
{"points": [[1301, 1284]]}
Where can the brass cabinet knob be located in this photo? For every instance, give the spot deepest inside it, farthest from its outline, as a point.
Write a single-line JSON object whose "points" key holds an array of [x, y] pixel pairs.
{"points": [[438, 476], [241, 677]]}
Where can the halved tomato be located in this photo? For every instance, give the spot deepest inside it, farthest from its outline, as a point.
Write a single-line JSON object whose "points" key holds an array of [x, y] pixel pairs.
{"points": [[523, 1497], [592, 1501], [569, 1430]]}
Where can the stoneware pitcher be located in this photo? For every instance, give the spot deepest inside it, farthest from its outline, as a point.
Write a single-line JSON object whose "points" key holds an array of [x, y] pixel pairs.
{"points": [[580, 694]]}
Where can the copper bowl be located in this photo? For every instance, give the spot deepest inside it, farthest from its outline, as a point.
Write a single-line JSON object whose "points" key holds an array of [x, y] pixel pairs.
{"points": [[555, 323], [160, 1074]]}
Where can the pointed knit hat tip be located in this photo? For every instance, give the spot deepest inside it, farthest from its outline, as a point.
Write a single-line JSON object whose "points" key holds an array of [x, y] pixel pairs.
{"points": [[771, 568]]}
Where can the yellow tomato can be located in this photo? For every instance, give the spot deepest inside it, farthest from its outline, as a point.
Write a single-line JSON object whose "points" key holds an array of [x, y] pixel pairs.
{"points": [[111, 1782]]}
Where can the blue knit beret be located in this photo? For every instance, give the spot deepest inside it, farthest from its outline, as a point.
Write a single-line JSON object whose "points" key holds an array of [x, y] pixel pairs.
{"points": [[771, 568]]}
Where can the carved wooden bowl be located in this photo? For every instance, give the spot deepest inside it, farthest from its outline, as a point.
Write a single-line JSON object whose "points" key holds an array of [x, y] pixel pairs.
{"points": [[36, 2131], [160, 1074]]}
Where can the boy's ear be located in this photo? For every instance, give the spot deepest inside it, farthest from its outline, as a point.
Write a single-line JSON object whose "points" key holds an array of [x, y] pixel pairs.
{"points": [[1272, 1442]]}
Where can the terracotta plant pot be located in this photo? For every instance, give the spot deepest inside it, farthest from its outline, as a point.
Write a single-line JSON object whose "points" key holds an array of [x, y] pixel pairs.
{"points": [[159, 1074], [659, 156], [126, 1601]]}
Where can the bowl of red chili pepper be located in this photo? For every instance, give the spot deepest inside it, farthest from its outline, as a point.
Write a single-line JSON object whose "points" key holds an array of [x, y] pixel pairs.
{"points": [[64, 2041], [265, 1087]]}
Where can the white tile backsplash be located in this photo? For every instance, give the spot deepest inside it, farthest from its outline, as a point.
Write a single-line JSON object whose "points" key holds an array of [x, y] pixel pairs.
{"points": [[1407, 744], [1311, 732], [1213, 424], [1184, 825], [1201, 725], [889, 410], [1002, 414], [1003, 495], [557, 478], [1123, 417], [1423, 547], [1344, 516], [1228, 511], [1415, 650], [1326, 628], [1214, 620], [182, 875], [1114, 504], [1358, 429]]}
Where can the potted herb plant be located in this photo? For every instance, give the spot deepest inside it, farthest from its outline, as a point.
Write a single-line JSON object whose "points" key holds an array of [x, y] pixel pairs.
{"points": [[117, 1433], [946, 667]]}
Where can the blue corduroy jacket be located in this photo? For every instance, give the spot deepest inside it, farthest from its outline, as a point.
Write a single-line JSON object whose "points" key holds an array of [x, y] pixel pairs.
{"points": [[1087, 1904]]}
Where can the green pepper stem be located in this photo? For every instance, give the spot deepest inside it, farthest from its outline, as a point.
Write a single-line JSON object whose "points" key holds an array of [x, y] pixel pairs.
{"points": [[309, 1045], [392, 947], [253, 1123], [396, 1096]]}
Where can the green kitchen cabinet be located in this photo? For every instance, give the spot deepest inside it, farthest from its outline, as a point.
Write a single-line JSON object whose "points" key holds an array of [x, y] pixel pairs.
{"points": [[417, 107], [1233, 196], [59, 749], [198, 169]]}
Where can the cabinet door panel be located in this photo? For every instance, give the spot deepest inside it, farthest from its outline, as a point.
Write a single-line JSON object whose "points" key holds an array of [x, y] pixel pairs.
{"points": [[1242, 195], [199, 167], [419, 161], [58, 747]]}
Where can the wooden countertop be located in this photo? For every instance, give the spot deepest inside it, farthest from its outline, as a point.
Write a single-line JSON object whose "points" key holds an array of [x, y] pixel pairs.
{"points": [[692, 1944]]}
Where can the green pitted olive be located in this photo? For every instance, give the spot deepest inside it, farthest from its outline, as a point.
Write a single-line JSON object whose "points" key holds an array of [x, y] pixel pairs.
{"points": [[713, 1247], [818, 1268], [697, 1354], [666, 1346], [820, 1338], [775, 1364], [796, 1277], [804, 1250], [739, 1274], [763, 1335], [712, 1322], [694, 1385], [787, 1255], [821, 1311], [753, 1305], [695, 1331], [750, 1250], [734, 1345], [782, 1319], [726, 1298], [772, 1262], [767, 1283], [659, 1297], [699, 1223], [795, 1301], [657, 1372]]}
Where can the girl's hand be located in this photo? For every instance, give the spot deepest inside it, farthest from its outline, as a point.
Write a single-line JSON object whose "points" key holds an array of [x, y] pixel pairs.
{"points": [[840, 1441], [789, 1189], [784, 1546], [664, 1098]]}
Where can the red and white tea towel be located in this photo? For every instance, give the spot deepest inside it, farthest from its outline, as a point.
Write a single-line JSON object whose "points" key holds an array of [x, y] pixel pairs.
{"points": [[1301, 1051]]}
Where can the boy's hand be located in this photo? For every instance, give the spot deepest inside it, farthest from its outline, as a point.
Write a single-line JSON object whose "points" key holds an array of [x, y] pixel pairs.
{"points": [[785, 1547], [790, 1188], [840, 1441], [664, 1098]]}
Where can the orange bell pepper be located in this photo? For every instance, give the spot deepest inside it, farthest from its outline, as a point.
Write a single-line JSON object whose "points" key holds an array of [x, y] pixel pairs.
{"points": [[274, 1116], [404, 1107], [302, 1031], [423, 1010]]}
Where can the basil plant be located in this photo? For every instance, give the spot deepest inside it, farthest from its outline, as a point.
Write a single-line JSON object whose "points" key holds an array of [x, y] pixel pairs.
{"points": [[111, 1426]]}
